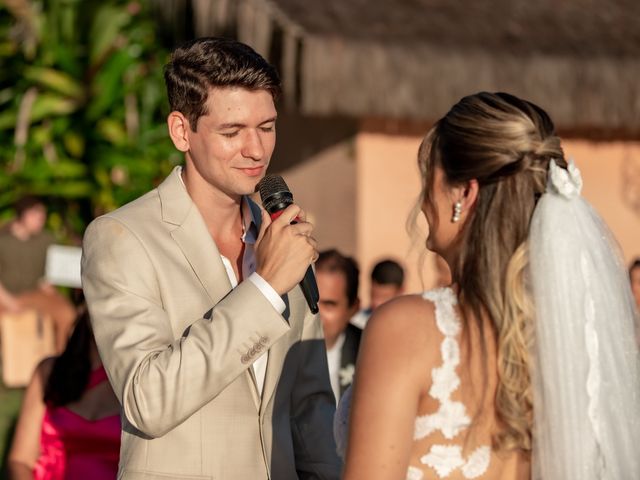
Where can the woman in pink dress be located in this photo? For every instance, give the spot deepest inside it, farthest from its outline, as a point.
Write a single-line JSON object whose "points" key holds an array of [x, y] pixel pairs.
{"points": [[69, 424]]}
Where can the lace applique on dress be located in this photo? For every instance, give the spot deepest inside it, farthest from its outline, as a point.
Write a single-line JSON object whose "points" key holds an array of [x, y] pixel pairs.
{"points": [[477, 463], [414, 474], [451, 418]]}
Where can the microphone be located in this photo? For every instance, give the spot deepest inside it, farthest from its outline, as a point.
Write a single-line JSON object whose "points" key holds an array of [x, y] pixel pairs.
{"points": [[276, 196]]}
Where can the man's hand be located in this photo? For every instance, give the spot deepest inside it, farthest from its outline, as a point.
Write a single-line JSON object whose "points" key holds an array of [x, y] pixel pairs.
{"points": [[285, 251], [46, 287]]}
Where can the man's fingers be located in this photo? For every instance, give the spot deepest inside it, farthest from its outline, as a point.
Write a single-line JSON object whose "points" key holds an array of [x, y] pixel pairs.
{"points": [[288, 215], [313, 242], [302, 229]]}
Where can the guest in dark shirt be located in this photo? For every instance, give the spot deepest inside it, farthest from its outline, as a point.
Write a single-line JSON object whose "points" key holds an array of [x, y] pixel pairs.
{"points": [[23, 251]]}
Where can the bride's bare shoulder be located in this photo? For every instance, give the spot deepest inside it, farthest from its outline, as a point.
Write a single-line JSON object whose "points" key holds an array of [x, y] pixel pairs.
{"points": [[404, 326]]}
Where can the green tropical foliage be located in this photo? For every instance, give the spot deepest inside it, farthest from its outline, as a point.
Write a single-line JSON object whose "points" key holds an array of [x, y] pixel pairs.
{"points": [[82, 106]]}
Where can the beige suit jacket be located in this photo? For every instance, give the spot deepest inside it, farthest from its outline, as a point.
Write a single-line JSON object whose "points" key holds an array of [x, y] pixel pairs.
{"points": [[177, 343]]}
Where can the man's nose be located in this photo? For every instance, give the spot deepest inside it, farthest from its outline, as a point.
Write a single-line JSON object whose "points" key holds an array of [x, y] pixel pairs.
{"points": [[253, 147]]}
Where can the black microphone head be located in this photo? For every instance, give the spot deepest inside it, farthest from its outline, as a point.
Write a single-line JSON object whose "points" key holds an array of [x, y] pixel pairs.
{"points": [[274, 193]]}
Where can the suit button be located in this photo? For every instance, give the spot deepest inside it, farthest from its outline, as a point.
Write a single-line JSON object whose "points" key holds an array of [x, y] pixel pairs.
{"points": [[244, 359]]}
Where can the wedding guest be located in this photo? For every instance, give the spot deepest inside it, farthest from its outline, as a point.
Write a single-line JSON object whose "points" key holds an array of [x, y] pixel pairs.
{"points": [[337, 277], [23, 250], [387, 282], [69, 423]]}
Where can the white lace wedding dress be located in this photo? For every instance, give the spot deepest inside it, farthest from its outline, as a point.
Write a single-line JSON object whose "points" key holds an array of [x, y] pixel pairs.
{"points": [[451, 419]]}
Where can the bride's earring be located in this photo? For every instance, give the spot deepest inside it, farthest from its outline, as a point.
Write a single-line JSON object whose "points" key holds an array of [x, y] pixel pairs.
{"points": [[457, 210]]}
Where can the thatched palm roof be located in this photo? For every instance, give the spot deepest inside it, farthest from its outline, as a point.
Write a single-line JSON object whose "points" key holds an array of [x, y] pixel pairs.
{"points": [[412, 59]]}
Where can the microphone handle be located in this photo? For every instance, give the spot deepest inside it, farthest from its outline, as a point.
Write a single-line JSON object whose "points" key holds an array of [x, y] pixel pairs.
{"points": [[310, 290]]}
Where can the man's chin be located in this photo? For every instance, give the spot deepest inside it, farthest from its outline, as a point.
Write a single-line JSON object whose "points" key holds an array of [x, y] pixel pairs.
{"points": [[253, 185]]}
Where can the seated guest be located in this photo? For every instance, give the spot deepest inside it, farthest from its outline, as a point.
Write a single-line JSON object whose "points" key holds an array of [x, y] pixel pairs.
{"points": [[337, 278], [23, 251], [69, 424]]}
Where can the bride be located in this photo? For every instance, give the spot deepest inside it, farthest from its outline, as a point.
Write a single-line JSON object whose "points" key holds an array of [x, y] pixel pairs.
{"points": [[525, 367]]}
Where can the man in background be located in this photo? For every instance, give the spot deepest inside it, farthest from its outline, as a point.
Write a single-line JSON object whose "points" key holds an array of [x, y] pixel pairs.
{"points": [[387, 282], [23, 252], [337, 277]]}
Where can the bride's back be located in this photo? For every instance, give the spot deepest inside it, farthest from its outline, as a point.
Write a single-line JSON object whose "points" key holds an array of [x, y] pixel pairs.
{"points": [[457, 419]]}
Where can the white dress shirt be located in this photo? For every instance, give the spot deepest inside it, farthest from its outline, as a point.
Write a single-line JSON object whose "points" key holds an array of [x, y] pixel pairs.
{"points": [[334, 357]]}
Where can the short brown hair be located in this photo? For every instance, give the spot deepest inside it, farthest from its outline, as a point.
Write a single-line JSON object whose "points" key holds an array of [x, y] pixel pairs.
{"points": [[208, 62], [333, 261], [388, 272], [26, 203]]}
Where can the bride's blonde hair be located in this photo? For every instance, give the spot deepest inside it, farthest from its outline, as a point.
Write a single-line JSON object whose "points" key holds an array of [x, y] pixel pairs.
{"points": [[506, 144]]}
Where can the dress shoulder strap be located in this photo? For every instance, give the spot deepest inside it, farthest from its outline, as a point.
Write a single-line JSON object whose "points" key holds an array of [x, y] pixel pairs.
{"points": [[445, 301]]}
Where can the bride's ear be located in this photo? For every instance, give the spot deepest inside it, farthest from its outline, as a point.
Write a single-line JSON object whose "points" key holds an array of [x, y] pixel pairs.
{"points": [[466, 194], [470, 194]]}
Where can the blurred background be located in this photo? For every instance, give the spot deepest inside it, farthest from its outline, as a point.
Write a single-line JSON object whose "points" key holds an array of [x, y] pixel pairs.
{"points": [[83, 107]]}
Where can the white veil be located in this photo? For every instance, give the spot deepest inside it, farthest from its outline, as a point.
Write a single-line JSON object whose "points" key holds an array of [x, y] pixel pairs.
{"points": [[586, 366]]}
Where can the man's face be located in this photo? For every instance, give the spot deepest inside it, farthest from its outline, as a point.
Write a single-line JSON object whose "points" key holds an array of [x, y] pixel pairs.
{"points": [[635, 284], [335, 311], [34, 218], [381, 293], [233, 144]]}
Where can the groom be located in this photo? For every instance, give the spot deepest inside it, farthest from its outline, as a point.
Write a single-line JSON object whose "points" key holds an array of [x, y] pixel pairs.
{"points": [[211, 349]]}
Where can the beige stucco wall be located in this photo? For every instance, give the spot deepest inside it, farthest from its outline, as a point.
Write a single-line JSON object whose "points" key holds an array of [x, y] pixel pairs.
{"points": [[324, 185], [387, 185]]}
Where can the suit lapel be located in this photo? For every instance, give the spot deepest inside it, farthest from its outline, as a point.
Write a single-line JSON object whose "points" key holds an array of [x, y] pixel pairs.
{"points": [[349, 347], [201, 252], [193, 238]]}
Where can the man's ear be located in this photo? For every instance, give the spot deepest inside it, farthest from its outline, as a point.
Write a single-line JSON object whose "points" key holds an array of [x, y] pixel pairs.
{"points": [[179, 129]]}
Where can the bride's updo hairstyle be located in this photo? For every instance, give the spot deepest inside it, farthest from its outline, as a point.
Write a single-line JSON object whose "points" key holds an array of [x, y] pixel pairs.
{"points": [[506, 144]]}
